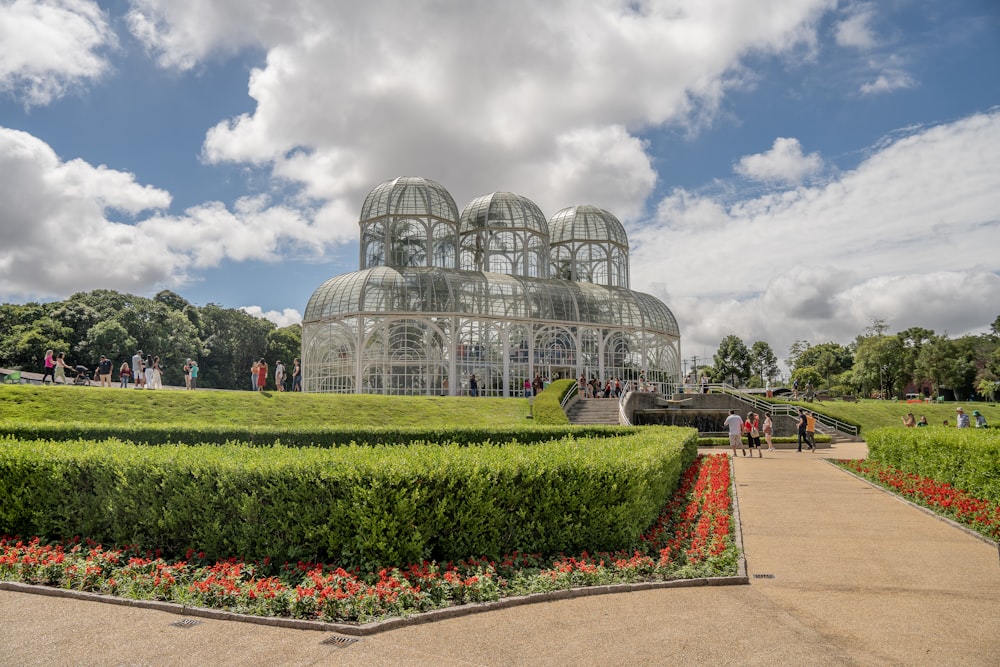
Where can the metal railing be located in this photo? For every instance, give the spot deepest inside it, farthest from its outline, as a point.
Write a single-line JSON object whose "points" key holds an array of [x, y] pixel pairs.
{"points": [[574, 390], [623, 417], [785, 409]]}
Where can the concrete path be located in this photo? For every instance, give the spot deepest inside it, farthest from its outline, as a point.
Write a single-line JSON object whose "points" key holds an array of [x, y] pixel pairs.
{"points": [[860, 578]]}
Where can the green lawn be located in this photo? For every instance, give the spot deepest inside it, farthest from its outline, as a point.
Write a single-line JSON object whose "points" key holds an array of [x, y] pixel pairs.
{"points": [[244, 408], [871, 414]]}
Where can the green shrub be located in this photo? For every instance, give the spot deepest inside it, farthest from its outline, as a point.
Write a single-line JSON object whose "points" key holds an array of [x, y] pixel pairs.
{"points": [[547, 406], [968, 459], [335, 436], [356, 505]]}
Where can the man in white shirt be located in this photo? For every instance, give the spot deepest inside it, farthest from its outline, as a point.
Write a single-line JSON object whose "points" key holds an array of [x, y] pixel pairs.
{"points": [[137, 373], [735, 425]]}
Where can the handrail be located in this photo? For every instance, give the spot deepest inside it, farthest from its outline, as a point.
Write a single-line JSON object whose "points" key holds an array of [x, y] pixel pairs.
{"points": [[622, 414], [574, 390], [786, 409]]}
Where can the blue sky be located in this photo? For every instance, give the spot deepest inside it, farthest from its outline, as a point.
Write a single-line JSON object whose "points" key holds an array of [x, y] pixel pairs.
{"points": [[785, 169]]}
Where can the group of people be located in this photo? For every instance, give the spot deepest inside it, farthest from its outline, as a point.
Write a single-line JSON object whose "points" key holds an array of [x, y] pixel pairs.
{"points": [[962, 419], [597, 389], [259, 372], [147, 373], [909, 421], [144, 371], [752, 428]]}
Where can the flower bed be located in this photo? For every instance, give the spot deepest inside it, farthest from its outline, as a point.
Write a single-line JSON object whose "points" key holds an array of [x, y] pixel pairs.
{"points": [[983, 516], [692, 538]]}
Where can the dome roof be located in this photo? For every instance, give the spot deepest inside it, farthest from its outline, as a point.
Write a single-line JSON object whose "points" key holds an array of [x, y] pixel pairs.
{"points": [[503, 210], [586, 224], [425, 291], [409, 196]]}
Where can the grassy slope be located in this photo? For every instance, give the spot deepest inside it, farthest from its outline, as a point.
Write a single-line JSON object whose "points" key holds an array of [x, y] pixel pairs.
{"points": [[124, 406], [879, 414]]}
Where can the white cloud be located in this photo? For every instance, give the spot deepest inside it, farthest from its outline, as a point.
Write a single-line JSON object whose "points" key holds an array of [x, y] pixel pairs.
{"points": [[283, 318], [58, 234], [855, 30], [888, 81], [784, 163], [50, 45], [547, 100], [908, 236]]}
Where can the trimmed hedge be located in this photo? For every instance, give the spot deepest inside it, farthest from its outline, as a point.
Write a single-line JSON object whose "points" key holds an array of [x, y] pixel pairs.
{"points": [[547, 406], [355, 505], [152, 434], [968, 459]]}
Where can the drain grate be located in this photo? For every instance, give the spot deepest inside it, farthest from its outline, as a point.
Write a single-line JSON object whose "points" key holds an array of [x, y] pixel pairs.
{"points": [[763, 576], [337, 640], [186, 623]]}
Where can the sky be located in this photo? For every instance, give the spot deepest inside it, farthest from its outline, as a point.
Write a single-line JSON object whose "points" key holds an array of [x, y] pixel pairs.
{"points": [[785, 169]]}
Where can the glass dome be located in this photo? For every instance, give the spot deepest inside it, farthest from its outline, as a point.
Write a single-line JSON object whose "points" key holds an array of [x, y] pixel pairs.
{"points": [[409, 221], [504, 233], [532, 297], [384, 290], [588, 244]]}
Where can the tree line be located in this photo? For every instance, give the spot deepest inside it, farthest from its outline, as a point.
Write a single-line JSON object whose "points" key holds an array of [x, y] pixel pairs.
{"points": [[224, 341], [876, 363]]}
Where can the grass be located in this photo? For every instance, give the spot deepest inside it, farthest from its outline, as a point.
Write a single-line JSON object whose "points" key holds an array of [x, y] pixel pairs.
{"points": [[871, 414], [95, 405]]}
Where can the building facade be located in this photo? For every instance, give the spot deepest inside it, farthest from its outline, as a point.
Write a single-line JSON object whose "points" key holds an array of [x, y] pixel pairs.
{"points": [[497, 292]]}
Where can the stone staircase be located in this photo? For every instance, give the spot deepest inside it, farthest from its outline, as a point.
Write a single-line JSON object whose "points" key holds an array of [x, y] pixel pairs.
{"points": [[593, 411]]}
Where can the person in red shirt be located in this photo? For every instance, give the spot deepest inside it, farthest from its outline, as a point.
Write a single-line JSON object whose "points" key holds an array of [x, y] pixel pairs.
{"points": [[752, 428]]}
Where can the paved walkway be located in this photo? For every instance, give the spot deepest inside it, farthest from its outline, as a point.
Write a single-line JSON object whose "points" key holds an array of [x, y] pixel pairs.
{"points": [[860, 578]]}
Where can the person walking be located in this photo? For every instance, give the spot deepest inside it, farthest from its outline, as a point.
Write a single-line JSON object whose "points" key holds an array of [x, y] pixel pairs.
{"points": [[801, 426], [735, 425], [254, 373], [61, 367], [473, 386], [768, 431], [296, 375], [752, 428], [50, 367], [811, 430]]}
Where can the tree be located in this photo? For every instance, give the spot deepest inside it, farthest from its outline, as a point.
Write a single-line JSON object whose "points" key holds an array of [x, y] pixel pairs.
{"points": [[934, 363], [795, 351], [763, 363], [109, 338], [828, 359], [807, 376], [284, 344], [24, 347], [732, 361], [878, 364], [231, 341], [913, 339]]}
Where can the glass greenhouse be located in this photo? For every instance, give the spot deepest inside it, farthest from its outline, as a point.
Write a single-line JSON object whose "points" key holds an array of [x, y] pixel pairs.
{"points": [[497, 292]]}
